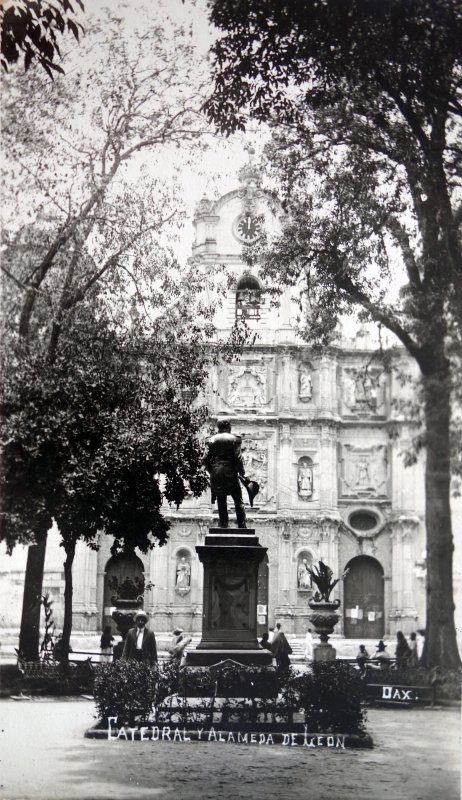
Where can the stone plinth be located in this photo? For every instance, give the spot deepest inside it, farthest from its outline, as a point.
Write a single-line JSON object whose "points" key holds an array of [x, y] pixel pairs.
{"points": [[324, 652], [231, 557]]}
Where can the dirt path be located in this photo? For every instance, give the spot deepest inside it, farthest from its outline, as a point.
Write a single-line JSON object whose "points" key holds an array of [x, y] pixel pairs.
{"points": [[43, 756]]}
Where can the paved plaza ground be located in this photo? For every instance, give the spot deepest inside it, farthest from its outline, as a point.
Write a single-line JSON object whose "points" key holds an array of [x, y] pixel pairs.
{"points": [[44, 756]]}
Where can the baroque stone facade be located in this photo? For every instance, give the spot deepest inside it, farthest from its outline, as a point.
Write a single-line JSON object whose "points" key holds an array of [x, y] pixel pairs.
{"points": [[315, 433]]}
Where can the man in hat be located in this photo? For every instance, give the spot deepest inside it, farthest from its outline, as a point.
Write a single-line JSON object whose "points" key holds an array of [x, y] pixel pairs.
{"points": [[140, 644], [223, 461], [381, 656]]}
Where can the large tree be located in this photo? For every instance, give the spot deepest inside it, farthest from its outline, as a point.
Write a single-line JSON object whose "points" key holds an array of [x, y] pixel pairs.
{"points": [[85, 221], [104, 435], [364, 99]]}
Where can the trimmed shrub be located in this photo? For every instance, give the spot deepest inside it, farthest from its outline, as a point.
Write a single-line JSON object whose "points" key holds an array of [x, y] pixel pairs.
{"points": [[331, 696], [126, 690]]}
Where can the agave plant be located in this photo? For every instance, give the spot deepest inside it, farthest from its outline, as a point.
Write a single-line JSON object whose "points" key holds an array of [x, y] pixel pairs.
{"points": [[322, 579]]}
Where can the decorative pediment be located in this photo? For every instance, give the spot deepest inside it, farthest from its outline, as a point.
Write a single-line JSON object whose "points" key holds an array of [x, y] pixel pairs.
{"points": [[247, 387]]}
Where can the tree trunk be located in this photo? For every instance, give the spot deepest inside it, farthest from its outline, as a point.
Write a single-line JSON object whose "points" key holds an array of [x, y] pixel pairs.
{"points": [[29, 637], [68, 592], [440, 639]]}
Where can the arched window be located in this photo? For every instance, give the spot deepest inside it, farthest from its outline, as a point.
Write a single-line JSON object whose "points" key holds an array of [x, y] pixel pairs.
{"points": [[248, 298]]}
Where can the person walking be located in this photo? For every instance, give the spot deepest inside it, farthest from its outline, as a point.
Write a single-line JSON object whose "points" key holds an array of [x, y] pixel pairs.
{"points": [[281, 648], [402, 651], [106, 645], [361, 659], [309, 645], [140, 644], [413, 658]]}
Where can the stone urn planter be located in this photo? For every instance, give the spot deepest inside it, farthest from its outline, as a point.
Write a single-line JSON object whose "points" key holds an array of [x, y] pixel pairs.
{"points": [[324, 618], [324, 615], [127, 599]]}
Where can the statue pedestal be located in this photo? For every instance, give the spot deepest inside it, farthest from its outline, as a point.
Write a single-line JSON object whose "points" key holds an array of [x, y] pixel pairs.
{"points": [[231, 557]]}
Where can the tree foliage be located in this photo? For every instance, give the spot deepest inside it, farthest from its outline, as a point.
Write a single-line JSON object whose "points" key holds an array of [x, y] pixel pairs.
{"points": [[364, 102], [33, 28], [104, 330]]}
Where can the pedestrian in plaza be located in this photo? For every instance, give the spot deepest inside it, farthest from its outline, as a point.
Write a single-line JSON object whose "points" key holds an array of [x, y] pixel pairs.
{"points": [[382, 656], [281, 648], [309, 645], [413, 658], [178, 644], [140, 644], [420, 642], [402, 651], [270, 635], [265, 643], [361, 659], [106, 645]]}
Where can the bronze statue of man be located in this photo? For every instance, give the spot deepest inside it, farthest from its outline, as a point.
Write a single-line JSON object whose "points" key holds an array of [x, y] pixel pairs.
{"points": [[223, 461]]}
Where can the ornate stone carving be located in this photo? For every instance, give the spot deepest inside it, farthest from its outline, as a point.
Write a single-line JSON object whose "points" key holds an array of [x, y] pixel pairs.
{"points": [[183, 532], [364, 471], [403, 528], [202, 530], [203, 207], [250, 179], [363, 391], [247, 387], [285, 432], [255, 458]]}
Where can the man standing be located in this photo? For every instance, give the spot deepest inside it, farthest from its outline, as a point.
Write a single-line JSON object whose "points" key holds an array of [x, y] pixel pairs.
{"points": [[223, 461], [281, 648], [140, 644]]}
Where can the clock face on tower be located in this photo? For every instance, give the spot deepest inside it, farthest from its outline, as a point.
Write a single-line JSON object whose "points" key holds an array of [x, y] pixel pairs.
{"points": [[247, 227]]}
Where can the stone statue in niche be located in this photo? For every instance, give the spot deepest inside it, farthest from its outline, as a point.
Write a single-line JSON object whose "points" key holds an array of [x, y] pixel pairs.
{"points": [[363, 478], [364, 470], [183, 574], [365, 391], [305, 479], [305, 384], [303, 575]]}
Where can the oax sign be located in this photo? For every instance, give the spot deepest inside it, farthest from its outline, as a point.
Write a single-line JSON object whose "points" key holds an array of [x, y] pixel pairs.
{"points": [[400, 695]]}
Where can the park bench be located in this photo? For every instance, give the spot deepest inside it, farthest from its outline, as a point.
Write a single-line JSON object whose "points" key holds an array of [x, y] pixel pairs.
{"points": [[31, 670]]}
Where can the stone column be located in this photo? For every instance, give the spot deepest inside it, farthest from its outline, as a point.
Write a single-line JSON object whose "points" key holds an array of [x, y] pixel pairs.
{"points": [[328, 467], [284, 609], [403, 613], [85, 610], [284, 468]]}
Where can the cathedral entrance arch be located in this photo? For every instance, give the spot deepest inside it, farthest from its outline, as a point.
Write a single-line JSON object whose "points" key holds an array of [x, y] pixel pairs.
{"points": [[364, 599], [123, 585]]}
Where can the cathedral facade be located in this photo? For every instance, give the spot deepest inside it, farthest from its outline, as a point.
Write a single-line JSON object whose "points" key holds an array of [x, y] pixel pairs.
{"points": [[316, 435]]}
